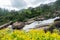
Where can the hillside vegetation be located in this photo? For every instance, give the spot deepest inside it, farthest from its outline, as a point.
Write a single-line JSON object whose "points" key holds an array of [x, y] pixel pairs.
{"points": [[44, 11]]}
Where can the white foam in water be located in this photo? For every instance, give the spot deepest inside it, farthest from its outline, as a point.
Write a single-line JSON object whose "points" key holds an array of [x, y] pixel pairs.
{"points": [[33, 25]]}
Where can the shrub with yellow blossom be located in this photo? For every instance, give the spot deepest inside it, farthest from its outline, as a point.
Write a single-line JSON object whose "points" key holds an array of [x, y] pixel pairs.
{"points": [[7, 34]]}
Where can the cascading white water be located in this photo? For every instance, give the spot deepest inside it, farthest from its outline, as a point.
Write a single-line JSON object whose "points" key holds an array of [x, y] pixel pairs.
{"points": [[33, 25]]}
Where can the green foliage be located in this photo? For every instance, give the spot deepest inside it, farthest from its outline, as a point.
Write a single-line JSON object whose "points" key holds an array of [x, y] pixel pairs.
{"points": [[46, 11]]}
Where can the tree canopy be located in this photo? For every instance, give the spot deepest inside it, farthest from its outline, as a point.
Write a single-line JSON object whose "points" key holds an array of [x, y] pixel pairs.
{"points": [[44, 10]]}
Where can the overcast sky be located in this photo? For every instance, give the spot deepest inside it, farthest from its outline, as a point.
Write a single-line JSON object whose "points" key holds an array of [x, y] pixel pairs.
{"points": [[20, 4]]}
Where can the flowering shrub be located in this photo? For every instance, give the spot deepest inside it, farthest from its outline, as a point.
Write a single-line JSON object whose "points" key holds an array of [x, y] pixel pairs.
{"points": [[7, 34]]}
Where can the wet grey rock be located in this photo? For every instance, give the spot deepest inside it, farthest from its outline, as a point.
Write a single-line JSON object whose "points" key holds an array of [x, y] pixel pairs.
{"points": [[18, 25]]}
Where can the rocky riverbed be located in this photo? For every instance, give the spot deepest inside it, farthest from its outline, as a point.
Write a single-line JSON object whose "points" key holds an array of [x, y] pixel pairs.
{"points": [[33, 25]]}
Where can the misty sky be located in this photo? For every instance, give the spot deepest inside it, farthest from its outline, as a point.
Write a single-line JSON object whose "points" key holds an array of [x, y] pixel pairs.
{"points": [[20, 4]]}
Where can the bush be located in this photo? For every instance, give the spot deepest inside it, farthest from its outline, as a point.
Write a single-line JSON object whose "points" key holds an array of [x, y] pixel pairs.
{"points": [[6, 34]]}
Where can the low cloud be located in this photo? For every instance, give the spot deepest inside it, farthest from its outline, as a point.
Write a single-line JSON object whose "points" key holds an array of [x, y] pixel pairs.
{"points": [[18, 4], [21, 4]]}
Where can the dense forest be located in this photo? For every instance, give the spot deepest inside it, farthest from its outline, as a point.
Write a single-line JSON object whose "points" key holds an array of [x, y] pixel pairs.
{"points": [[44, 10]]}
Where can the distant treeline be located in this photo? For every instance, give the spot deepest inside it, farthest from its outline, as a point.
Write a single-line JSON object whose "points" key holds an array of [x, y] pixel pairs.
{"points": [[44, 10]]}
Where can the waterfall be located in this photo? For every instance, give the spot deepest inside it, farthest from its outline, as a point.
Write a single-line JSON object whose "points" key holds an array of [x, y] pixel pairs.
{"points": [[45, 22]]}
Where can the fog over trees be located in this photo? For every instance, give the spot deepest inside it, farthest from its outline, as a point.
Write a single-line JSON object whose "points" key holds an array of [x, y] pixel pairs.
{"points": [[44, 10]]}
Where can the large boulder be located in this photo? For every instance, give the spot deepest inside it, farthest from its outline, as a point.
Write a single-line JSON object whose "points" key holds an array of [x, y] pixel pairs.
{"points": [[55, 25], [39, 19], [18, 25], [58, 19], [29, 21]]}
